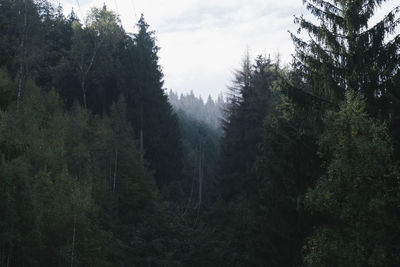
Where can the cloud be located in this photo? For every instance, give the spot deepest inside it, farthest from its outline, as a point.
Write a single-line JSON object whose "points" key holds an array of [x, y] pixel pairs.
{"points": [[207, 42]]}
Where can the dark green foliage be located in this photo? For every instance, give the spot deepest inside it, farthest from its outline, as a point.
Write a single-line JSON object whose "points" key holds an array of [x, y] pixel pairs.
{"points": [[48, 201], [346, 53], [268, 219], [152, 117], [96, 52], [357, 194], [98, 169], [7, 91], [237, 188], [245, 112], [73, 173], [287, 166], [74, 188], [97, 63]]}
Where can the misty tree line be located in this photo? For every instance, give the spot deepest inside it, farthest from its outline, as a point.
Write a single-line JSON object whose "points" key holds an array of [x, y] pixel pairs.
{"points": [[299, 168], [209, 112]]}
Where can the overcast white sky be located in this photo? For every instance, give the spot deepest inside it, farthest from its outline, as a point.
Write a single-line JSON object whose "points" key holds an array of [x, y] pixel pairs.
{"points": [[203, 41]]}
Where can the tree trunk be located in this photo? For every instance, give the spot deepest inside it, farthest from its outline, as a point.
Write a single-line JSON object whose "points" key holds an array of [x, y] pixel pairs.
{"points": [[141, 133], [20, 80], [115, 169], [73, 242], [83, 91], [22, 61], [200, 175], [8, 260], [141, 144], [192, 189]]}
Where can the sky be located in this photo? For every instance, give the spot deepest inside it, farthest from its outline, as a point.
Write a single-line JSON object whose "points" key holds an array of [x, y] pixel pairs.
{"points": [[203, 41]]}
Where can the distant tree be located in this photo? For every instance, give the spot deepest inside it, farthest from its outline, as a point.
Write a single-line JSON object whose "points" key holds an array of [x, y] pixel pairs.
{"points": [[195, 108]]}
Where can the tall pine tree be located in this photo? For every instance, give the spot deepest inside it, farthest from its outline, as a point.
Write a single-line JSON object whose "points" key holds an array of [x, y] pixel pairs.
{"points": [[149, 111], [344, 52]]}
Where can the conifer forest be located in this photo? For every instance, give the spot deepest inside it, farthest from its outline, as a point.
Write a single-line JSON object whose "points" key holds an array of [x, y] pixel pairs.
{"points": [[294, 165]]}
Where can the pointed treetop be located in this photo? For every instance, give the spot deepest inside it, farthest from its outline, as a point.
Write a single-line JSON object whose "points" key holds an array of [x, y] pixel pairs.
{"points": [[142, 24], [72, 16]]}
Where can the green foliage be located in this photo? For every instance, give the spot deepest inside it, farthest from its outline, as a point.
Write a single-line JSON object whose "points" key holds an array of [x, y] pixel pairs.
{"points": [[75, 190], [98, 169], [242, 126], [150, 112], [54, 182], [357, 194], [345, 52], [7, 92], [236, 185], [283, 178]]}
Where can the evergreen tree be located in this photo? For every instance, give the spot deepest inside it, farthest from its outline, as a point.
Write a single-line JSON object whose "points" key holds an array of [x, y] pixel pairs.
{"points": [[149, 111], [286, 167], [358, 193], [236, 183], [88, 141], [243, 123], [194, 107], [344, 52]]}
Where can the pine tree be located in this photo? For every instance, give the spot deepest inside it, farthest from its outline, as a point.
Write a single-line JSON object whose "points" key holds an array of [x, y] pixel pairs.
{"points": [[344, 52], [247, 105], [287, 165], [357, 195], [236, 182], [149, 111]]}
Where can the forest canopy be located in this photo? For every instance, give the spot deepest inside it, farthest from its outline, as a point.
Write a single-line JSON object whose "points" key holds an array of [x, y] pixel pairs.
{"points": [[295, 165]]}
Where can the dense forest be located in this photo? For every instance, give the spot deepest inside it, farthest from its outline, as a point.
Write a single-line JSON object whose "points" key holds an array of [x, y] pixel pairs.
{"points": [[294, 166]]}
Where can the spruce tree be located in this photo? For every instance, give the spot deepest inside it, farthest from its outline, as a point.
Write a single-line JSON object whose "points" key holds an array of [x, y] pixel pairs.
{"points": [[156, 125], [236, 184], [247, 106], [345, 52], [358, 193], [286, 167]]}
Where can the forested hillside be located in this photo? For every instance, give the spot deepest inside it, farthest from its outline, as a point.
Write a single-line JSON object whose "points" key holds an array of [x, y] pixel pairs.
{"points": [[99, 166]]}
